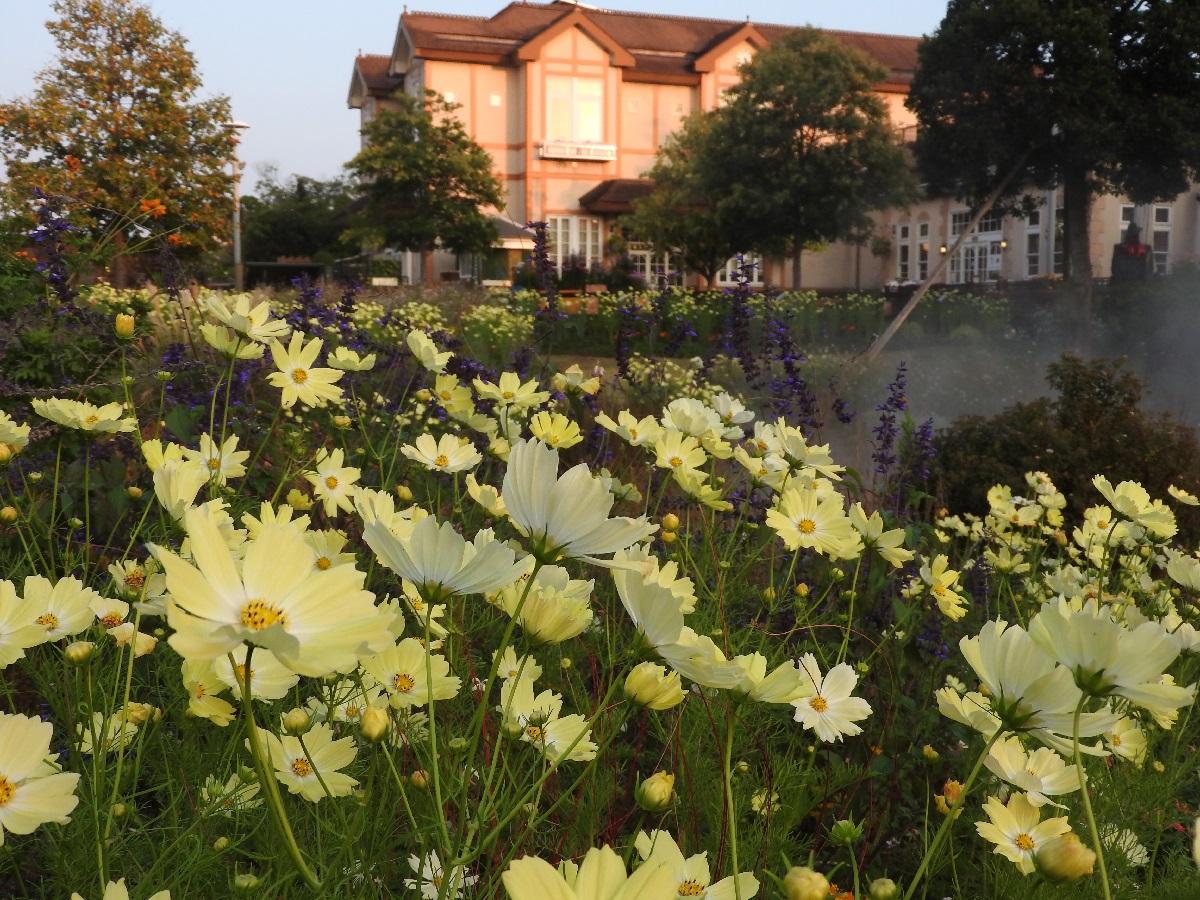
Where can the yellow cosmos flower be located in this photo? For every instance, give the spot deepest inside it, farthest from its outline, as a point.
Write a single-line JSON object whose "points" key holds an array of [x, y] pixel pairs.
{"points": [[333, 482], [83, 416], [13, 434], [297, 378], [1017, 830], [404, 669], [314, 621], [297, 768], [426, 351], [32, 792], [350, 361], [601, 876], [228, 342], [555, 430], [239, 312], [447, 455], [803, 518]]}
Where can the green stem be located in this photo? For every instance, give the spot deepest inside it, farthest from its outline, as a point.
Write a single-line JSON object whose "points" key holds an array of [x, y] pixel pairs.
{"points": [[1087, 799], [948, 822], [730, 811], [266, 777]]}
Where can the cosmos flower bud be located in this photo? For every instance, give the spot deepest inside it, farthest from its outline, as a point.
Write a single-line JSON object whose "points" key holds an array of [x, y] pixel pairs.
{"points": [[802, 883], [670, 522], [245, 882], [374, 723], [845, 832], [1064, 858], [297, 722], [119, 809], [134, 492], [419, 779], [5, 453], [656, 793], [124, 325], [8, 515], [79, 652], [404, 493], [883, 889], [669, 537], [341, 421], [649, 684], [221, 843]]}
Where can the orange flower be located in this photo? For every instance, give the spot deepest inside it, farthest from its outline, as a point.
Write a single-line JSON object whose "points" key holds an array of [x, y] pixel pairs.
{"points": [[153, 208], [175, 239], [74, 163], [25, 255]]}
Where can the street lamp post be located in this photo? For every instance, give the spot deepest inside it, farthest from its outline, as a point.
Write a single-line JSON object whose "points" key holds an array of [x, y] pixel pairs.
{"points": [[239, 268]]}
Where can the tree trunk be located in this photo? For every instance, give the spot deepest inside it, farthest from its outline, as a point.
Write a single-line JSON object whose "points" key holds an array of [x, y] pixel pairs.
{"points": [[797, 252], [427, 267], [1077, 206]]}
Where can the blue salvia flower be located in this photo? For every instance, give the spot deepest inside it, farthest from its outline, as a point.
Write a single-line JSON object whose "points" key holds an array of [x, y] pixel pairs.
{"points": [[884, 455]]}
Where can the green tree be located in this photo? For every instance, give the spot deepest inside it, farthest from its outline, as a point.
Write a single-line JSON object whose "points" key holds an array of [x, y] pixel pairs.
{"points": [[1090, 96], [804, 150], [683, 214], [425, 182], [297, 216], [116, 125]]}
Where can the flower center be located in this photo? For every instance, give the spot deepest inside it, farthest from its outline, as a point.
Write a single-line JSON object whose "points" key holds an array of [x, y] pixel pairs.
{"points": [[676, 462], [214, 464], [690, 888], [938, 590], [1024, 842], [1115, 740], [301, 768], [112, 620], [259, 614], [403, 682], [49, 620], [239, 672], [7, 790], [323, 563], [299, 376], [351, 711], [199, 692], [818, 703], [442, 461], [135, 578], [533, 732], [807, 526], [91, 420], [331, 482], [507, 395], [445, 395]]}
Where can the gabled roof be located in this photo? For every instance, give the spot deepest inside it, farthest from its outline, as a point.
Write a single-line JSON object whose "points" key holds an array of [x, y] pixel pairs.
{"points": [[370, 78], [616, 195], [656, 47]]}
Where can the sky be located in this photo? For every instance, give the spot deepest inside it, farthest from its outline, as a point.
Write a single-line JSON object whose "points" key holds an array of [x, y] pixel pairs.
{"points": [[286, 64]]}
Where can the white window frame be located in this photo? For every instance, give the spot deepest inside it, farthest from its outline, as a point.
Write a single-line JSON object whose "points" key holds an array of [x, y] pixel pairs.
{"points": [[903, 252], [922, 251], [1162, 257], [728, 274], [979, 257], [1033, 244], [581, 236]]}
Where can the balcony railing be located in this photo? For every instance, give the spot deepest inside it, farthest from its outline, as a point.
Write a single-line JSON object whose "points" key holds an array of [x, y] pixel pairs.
{"points": [[577, 151]]}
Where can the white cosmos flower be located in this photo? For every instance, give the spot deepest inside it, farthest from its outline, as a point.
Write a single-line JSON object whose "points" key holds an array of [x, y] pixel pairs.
{"points": [[565, 516], [447, 455], [436, 556], [826, 706]]}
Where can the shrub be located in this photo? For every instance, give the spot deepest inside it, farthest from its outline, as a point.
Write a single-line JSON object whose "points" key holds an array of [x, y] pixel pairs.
{"points": [[1094, 425]]}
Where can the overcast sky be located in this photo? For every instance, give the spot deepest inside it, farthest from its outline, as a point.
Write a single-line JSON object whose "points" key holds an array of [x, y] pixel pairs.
{"points": [[286, 63]]}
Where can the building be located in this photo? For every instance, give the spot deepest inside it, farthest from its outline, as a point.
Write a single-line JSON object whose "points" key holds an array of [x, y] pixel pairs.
{"points": [[572, 103]]}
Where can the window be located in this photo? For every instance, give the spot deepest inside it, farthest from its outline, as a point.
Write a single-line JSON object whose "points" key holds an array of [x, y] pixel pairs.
{"points": [[1160, 239], [992, 223], [652, 267], [574, 109], [1060, 240], [978, 259], [580, 237], [750, 262], [1127, 210], [923, 251], [1033, 244], [902, 255]]}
